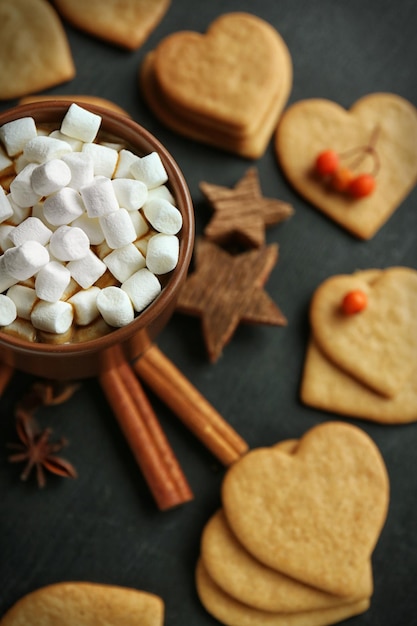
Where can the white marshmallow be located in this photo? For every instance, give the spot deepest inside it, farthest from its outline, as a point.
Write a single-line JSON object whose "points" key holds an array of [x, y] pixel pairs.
{"points": [[52, 317], [20, 163], [87, 271], [17, 133], [142, 288], [51, 281], [91, 227], [85, 305], [115, 306], [25, 260], [162, 253], [118, 228], [24, 299], [124, 262], [6, 279], [21, 188], [31, 229], [6, 209], [163, 216], [131, 194], [5, 162], [140, 225], [19, 213], [104, 158], [5, 241], [22, 329], [63, 207], [44, 148], [80, 123], [99, 197], [8, 311], [150, 170], [37, 211], [76, 144], [69, 243], [126, 159], [161, 192], [51, 176], [82, 169]]}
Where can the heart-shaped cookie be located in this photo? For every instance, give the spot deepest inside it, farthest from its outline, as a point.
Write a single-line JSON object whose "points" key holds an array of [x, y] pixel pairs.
{"points": [[377, 346], [232, 612], [127, 24], [316, 514], [33, 47], [311, 126], [226, 88], [234, 569]]}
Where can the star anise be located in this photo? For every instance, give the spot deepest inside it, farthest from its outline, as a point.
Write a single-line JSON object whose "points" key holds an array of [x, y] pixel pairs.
{"points": [[36, 449]]}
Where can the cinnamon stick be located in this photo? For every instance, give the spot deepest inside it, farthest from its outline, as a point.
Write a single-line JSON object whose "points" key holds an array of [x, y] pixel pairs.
{"points": [[145, 437], [166, 381], [6, 372]]}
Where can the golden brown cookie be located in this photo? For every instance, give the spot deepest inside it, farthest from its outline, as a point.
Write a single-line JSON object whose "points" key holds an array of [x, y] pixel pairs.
{"points": [[234, 613], [309, 127], [377, 346], [326, 387], [127, 24], [86, 604], [226, 88], [234, 570], [35, 46], [321, 525]]}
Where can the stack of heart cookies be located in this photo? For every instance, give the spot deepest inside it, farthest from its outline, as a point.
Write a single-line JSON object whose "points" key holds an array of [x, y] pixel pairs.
{"points": [[226, 88], [362, 363], [293, 542]]}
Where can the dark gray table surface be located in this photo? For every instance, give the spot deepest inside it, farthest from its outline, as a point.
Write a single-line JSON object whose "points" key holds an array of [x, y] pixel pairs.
{"points": [[104, 526]]}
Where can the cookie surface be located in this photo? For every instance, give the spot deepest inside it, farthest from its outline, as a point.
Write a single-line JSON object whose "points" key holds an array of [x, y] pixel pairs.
{"points": [[310, 126], [329, 509], [221, 88], [326, 387], [234, 570], [38, 59], [86, 604], [127, 24], [233, 613], [377, 346]]}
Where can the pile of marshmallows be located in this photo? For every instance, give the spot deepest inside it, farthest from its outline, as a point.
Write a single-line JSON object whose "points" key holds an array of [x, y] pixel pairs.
{"points": [[71, 197]]}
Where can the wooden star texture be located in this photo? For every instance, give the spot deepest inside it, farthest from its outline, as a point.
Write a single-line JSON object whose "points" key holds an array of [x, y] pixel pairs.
{"points": [[225, 290], [242, 213]]}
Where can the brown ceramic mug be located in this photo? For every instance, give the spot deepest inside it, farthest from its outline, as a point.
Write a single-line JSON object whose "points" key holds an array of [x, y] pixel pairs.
{"points": [[88, 358]]}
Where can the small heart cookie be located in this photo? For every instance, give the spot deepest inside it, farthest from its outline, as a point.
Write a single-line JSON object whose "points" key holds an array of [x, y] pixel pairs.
{"points": [[35, 46], [377, 346], [311, 126], [86, 604], [127, 24], [316, 514], [226, 88]]}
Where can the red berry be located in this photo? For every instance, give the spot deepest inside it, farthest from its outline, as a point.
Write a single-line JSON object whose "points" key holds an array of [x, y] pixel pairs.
{"points": [[354, 302], [327, 162], [341, 179], [362, 185]]}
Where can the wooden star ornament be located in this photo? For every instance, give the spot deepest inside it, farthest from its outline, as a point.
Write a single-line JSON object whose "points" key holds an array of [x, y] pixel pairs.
{"points": [[242, 213], [225, 290]]}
